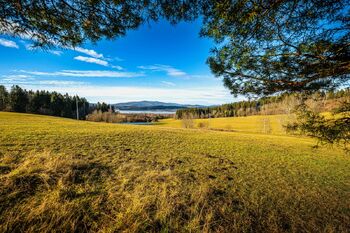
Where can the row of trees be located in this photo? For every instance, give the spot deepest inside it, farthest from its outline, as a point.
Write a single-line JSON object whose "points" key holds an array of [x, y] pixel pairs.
{"points": [[279, 104], [45, 102], [103, 107]]}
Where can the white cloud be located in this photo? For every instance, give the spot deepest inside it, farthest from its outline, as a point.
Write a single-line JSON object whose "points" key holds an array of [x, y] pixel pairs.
{"points": [[96, 58], [29, 47], [91, 60], [85, 73], [89, 52], [55, 52], [59, 82], [117, 67], [16, 76], [30, 80], [8, 43], [171, 71], [16, 79], [171, 84]]}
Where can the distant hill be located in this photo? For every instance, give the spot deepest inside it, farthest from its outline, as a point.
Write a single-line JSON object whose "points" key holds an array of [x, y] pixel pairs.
{"points": [[152, 105]]}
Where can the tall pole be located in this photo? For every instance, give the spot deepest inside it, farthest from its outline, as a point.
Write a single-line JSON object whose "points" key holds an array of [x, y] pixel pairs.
{"points": [[209, 119], [76, 102]]}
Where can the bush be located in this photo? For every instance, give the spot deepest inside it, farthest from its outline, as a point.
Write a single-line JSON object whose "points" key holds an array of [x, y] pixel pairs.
{"points": [[203, 124], [187, 121]]}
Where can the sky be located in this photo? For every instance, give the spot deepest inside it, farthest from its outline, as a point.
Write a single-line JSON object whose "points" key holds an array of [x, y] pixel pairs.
{"points": [[157, 62]]}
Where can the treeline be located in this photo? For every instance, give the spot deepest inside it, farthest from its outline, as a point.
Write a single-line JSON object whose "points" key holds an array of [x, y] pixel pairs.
{"points": [[43, 102], [102, 107], [116, 117], [279, 104]]}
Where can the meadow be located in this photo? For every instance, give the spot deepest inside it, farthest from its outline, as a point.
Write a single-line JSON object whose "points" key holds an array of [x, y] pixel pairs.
{"points": [[62, 175], [266, 124]]}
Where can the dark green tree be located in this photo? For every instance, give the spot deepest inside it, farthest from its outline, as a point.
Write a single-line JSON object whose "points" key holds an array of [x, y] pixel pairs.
{"points": [[266, 47], [70, 23], [18, 99], [3, 98], [269, 47], [335, 130]]}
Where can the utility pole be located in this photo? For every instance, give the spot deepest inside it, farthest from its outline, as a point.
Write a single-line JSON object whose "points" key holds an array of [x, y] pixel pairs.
{"points": [[209, 120], [76, 102]]}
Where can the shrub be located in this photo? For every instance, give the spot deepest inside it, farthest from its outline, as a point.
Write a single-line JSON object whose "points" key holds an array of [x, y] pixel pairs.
{"points": [[203, 124], [187, 121]]}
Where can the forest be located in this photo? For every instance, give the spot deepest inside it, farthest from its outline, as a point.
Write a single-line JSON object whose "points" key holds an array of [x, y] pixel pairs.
{"points": [[270, 105], [47, 103]]}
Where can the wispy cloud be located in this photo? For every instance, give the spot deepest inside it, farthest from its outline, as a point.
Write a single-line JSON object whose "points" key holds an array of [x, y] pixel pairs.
{"points": [[29, 47], [171, 71], [56, 52], [170, 84], [59, 82], [16, 78], [85, 73], [30, 80], [95, 57], [89, 52], [92, 60], [117, 67], [8, 43]]}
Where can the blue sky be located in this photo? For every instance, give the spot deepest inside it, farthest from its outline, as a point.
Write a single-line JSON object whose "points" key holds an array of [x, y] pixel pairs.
{"points": [[159, 62]]}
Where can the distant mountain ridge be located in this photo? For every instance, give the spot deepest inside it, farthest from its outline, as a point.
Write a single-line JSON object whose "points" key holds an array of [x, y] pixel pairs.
{"points": [[152, 105]]}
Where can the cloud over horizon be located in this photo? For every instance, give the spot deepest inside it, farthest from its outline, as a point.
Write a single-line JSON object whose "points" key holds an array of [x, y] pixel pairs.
{"points": [[171, 84], [118, 94], [85, 73], [169, 70]]}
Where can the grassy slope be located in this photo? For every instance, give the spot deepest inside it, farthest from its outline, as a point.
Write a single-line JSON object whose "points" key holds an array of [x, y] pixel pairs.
{"points": [[273, 123], [64, 175]]}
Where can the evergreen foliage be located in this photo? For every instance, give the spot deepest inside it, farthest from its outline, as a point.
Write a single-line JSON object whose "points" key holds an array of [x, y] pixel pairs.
{"points": [[267, 47], [43, 102], [331, 130], [70, 23]]}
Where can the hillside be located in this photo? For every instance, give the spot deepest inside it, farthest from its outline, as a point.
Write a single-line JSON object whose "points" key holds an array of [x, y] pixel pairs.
{"points": [[61, 175], [152, 105]]}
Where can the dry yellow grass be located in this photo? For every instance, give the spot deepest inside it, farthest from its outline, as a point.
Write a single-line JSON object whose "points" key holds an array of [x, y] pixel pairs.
{"points": [[60, 175], [268, 124]]}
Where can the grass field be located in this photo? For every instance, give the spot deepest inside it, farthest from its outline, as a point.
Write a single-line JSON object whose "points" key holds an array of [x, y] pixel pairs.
{"points": [[270, 124], [60, 175]]}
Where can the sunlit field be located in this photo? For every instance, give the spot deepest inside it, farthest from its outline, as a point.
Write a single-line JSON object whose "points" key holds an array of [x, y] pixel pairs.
{"points": [[62, 175], [269, 124]]}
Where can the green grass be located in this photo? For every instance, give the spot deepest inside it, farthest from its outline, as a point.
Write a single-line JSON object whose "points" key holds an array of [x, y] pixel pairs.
{"points": [[60, 175]]}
